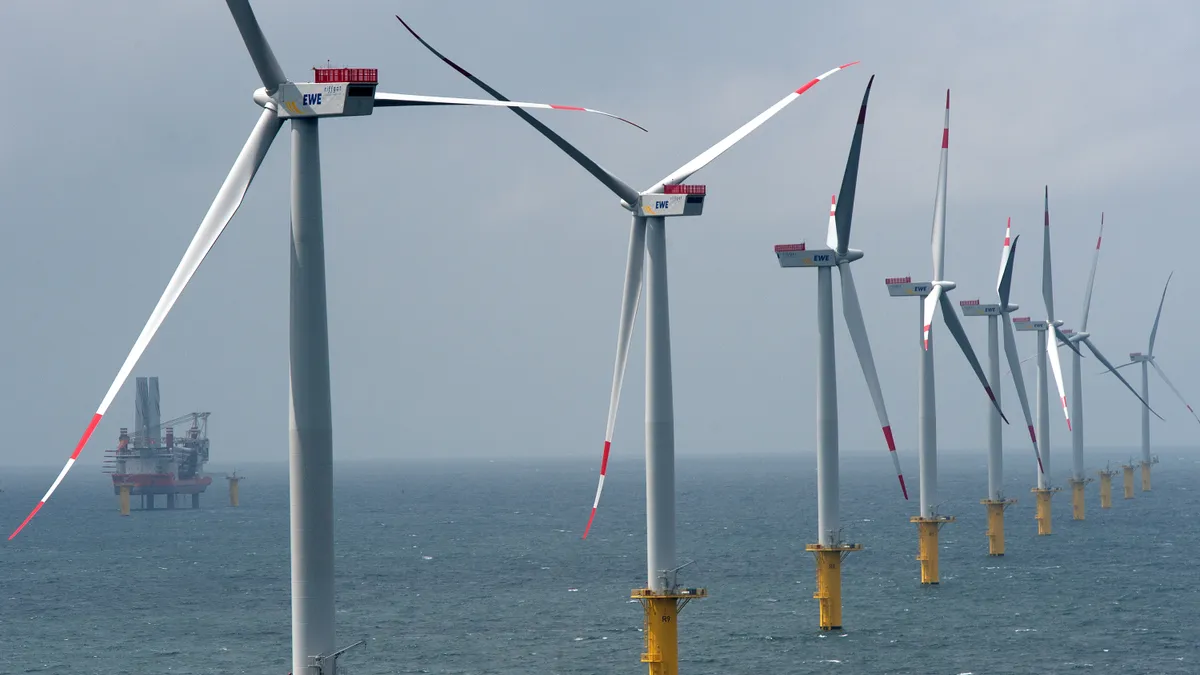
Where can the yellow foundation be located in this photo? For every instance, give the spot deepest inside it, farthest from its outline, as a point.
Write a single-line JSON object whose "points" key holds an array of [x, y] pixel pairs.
{"points": [[995, 531], [662, 631], [1128, 471], [927, 531], [1106, 489], [1078, 506], [829, 581], [1043, 509], [233, 491], [124, 499], [1145, 476]]}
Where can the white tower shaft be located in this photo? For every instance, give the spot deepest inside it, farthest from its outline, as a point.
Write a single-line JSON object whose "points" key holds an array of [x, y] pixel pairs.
{"points": [[1146, 411], [827, 417], [1043, 411], [660, 414], [1076, 417], [310, 421], [927, 426], [995, 462]]}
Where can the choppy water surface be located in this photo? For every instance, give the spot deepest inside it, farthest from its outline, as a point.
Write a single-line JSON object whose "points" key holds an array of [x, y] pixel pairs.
{"points": [[479, 568]]}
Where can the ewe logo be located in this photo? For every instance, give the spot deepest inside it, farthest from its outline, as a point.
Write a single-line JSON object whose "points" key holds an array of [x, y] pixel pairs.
{"points": [[661, 205], [311, 99], [822, 257]]}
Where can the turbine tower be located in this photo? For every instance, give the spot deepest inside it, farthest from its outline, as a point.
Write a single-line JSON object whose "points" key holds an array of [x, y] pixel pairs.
{"points": [[935, 294], [337, 92], [998, 313], [1148, 360], [1078, 479], [831, 549], [662, 598]]}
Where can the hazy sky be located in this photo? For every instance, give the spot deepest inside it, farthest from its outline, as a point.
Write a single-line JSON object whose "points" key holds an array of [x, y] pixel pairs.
{"points": [[474, 271]]}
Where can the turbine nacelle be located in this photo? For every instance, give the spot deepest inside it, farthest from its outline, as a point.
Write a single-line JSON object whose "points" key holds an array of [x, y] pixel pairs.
{"points": [[974, 308], [674, 200], [337, 92], [1025, 323], [1138, 357], [899, 287]]}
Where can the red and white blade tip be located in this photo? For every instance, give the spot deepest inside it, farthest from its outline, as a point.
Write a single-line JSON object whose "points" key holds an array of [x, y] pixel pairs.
{"points": [[599, 488], [813, 82], [926, 335], [1008, 232], [891, 443], [87, 434], [463, 71]]}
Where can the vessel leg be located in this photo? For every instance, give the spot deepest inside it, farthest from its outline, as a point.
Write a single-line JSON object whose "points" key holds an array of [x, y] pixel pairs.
{"points": [[196, 500]]}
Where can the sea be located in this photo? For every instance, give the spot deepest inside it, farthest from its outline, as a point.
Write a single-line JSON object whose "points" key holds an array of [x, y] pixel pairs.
{"points": [[477, 566]]}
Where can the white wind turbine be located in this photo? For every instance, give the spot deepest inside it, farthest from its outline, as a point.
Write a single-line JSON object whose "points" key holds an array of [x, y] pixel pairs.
{"points": [[936, 295], [997, 314], [1148, 360], [830, 549], [339, 92], [662, 598], [1082, 336], [1046, 349]]}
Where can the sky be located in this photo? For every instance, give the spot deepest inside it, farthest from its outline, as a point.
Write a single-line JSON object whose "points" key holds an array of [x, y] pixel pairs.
{"points": [[474, 271]]}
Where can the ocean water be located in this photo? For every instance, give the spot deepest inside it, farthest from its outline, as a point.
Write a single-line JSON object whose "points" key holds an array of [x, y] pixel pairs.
{"points": [[478, 567]]}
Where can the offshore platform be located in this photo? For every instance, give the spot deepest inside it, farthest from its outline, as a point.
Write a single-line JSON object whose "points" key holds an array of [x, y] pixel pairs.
{"points": [[152, 461]]}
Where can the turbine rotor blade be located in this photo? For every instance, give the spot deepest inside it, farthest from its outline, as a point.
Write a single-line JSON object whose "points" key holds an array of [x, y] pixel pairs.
{"points": [[831, 235], [1177, 394], [386, 100], [938, 239], [1100, 357], [850, 177], [700, 161], [862, 345], [630, 295], [1154, 330], [1004, 284], [256, 43], [1087, 298], [229, 198], [1047, 276], [619, 187], [1010, 351], [930, 310], [1056, 368], [955, 327], [1003, 289]]}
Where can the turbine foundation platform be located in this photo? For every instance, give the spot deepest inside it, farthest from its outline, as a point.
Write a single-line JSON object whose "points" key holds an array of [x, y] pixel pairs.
{"points": [[829, 581], [1078, 507], [1106, 489], [995, 531], [1145, 476], [233, 489], [1043, 509], [1128, 476], [662, 632], [927, 531]]}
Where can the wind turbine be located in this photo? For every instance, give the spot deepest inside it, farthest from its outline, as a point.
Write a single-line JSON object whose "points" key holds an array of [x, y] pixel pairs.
{"points": [[338, 92], [996, 502], [830, 549], [1046, 349], [1148, 360], [1082, 336], [662, 598], [936, 294]]}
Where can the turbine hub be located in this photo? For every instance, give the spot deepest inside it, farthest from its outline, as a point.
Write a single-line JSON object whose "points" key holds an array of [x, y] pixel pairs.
{"points": [[946, 285]]}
